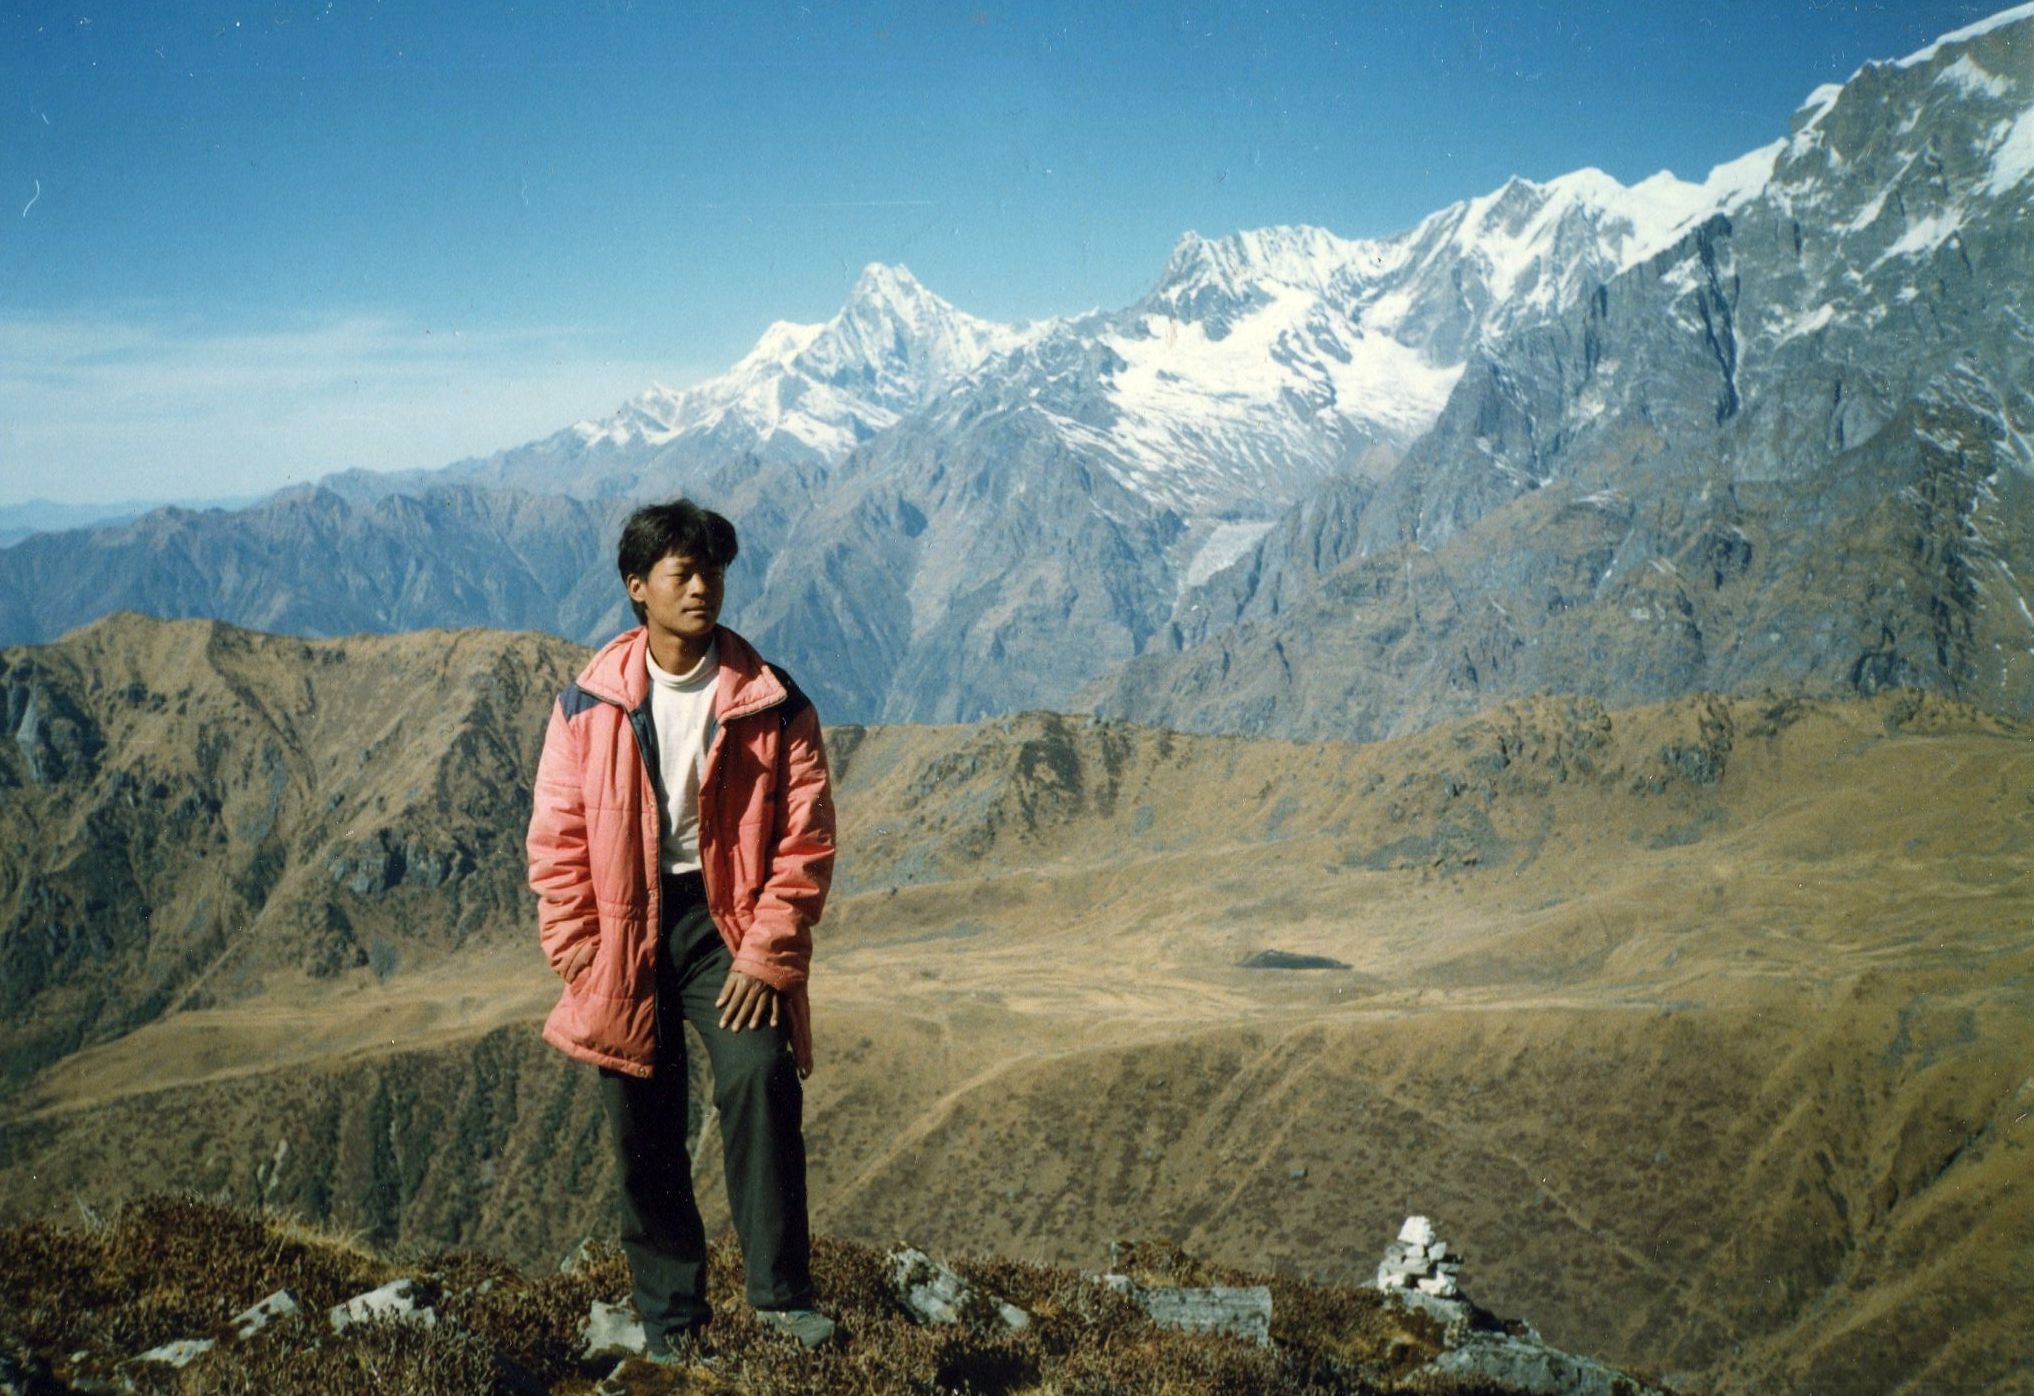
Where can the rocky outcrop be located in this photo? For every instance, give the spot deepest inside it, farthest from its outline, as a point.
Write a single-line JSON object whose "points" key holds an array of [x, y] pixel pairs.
{"points": [[932, 1291], [1421, 1272], [54, 736]]}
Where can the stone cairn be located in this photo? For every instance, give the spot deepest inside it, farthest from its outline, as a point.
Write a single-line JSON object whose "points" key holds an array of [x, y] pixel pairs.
{"points": [[1420, 1260]]}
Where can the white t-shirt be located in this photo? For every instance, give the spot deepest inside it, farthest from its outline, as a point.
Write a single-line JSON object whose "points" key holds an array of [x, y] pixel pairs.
{"points": [[681, 708]]}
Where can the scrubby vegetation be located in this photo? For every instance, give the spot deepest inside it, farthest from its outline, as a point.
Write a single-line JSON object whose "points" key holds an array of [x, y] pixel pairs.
{"points": [[82, 1301]]}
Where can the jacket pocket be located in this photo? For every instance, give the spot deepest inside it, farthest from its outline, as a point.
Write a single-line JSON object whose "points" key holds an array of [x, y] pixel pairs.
{"points": [[602, 976]]}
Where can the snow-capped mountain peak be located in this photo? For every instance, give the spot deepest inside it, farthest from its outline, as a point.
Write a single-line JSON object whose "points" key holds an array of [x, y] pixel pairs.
{"points": [[816, 390], [893, 288], [1964, 35], [782, 342], [902, 342], [1526, 234], [1299, 255], [1268, 359]]}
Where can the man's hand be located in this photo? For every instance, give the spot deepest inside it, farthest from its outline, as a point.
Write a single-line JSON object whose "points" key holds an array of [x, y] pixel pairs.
{"points": [[580, 958], [742, 1001]]}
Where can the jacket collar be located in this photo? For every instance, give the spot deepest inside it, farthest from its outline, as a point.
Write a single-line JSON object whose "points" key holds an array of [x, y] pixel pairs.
{"points": [[618, 674]]}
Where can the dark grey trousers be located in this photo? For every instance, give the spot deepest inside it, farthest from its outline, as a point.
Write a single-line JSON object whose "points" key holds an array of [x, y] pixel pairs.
{"points": [[761, 1104]]}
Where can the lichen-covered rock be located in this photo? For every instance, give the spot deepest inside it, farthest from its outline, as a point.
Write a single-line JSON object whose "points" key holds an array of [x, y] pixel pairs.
{"points": [[1242, 1311], [1527, 1365], [933, 1292]]}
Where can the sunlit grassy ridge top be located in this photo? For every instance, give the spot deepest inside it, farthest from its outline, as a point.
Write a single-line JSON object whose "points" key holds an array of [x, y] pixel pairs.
{"points": [[85, 1299]]}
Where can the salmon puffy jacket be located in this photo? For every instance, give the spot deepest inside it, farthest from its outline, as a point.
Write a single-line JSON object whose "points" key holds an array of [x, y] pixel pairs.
{"points": [[765, 841]]}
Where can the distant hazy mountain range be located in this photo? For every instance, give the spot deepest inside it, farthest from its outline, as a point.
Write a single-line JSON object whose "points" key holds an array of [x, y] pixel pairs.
{"points": [[25, 520], [1769, 429]]}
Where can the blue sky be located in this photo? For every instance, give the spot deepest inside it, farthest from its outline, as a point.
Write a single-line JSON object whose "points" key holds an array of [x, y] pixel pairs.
{"points": [[242, 245]]}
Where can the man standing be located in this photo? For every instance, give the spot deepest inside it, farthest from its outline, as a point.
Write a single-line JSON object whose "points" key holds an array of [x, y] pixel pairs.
{"points": [[681, 847]]}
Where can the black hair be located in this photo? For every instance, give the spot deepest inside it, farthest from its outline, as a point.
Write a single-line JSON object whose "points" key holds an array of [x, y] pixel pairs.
{"points": [[657, 531]]}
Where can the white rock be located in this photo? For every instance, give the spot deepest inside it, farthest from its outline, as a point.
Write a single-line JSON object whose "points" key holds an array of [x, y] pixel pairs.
{"points": [[255, 1317], [394, 1300], [578, 1258], [1417, 1231], [179, 1352], [1441, 1287], [611, 1328]]}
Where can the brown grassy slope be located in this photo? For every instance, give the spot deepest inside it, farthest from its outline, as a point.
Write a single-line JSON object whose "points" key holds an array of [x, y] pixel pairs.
{"points": [[1700, 1024], [1697, 1026]]}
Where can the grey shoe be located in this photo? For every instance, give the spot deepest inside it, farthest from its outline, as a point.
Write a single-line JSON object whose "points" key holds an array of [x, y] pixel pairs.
{"points": [[810, 1327], [683, 1347]]}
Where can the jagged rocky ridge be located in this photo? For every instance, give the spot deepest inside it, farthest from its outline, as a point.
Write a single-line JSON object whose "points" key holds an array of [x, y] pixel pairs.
{"points": [[1791, 448]]}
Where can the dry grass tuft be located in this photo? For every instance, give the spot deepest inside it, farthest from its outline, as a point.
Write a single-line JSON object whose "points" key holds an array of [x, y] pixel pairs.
{"points": [[161, 1268]]}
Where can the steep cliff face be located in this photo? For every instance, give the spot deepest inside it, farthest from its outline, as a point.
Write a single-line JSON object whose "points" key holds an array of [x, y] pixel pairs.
{"points": [[1038, 522], [1897, 563], [1792, 447]]}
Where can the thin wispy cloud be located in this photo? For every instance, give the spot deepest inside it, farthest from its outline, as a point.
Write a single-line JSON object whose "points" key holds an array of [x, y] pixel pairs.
{"points": [[252, 409]]}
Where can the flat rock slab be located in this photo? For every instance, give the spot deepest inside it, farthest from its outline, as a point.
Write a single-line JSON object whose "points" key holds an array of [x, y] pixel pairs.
{"points": [[1533, 1367], [1241, 1311]]}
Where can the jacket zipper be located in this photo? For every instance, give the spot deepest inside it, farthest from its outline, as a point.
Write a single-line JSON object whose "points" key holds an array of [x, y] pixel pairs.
{"points": [[645, 733]]}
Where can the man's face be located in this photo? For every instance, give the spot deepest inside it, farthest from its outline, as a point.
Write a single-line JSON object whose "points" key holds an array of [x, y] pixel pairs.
{"points": [[681, 595]]}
